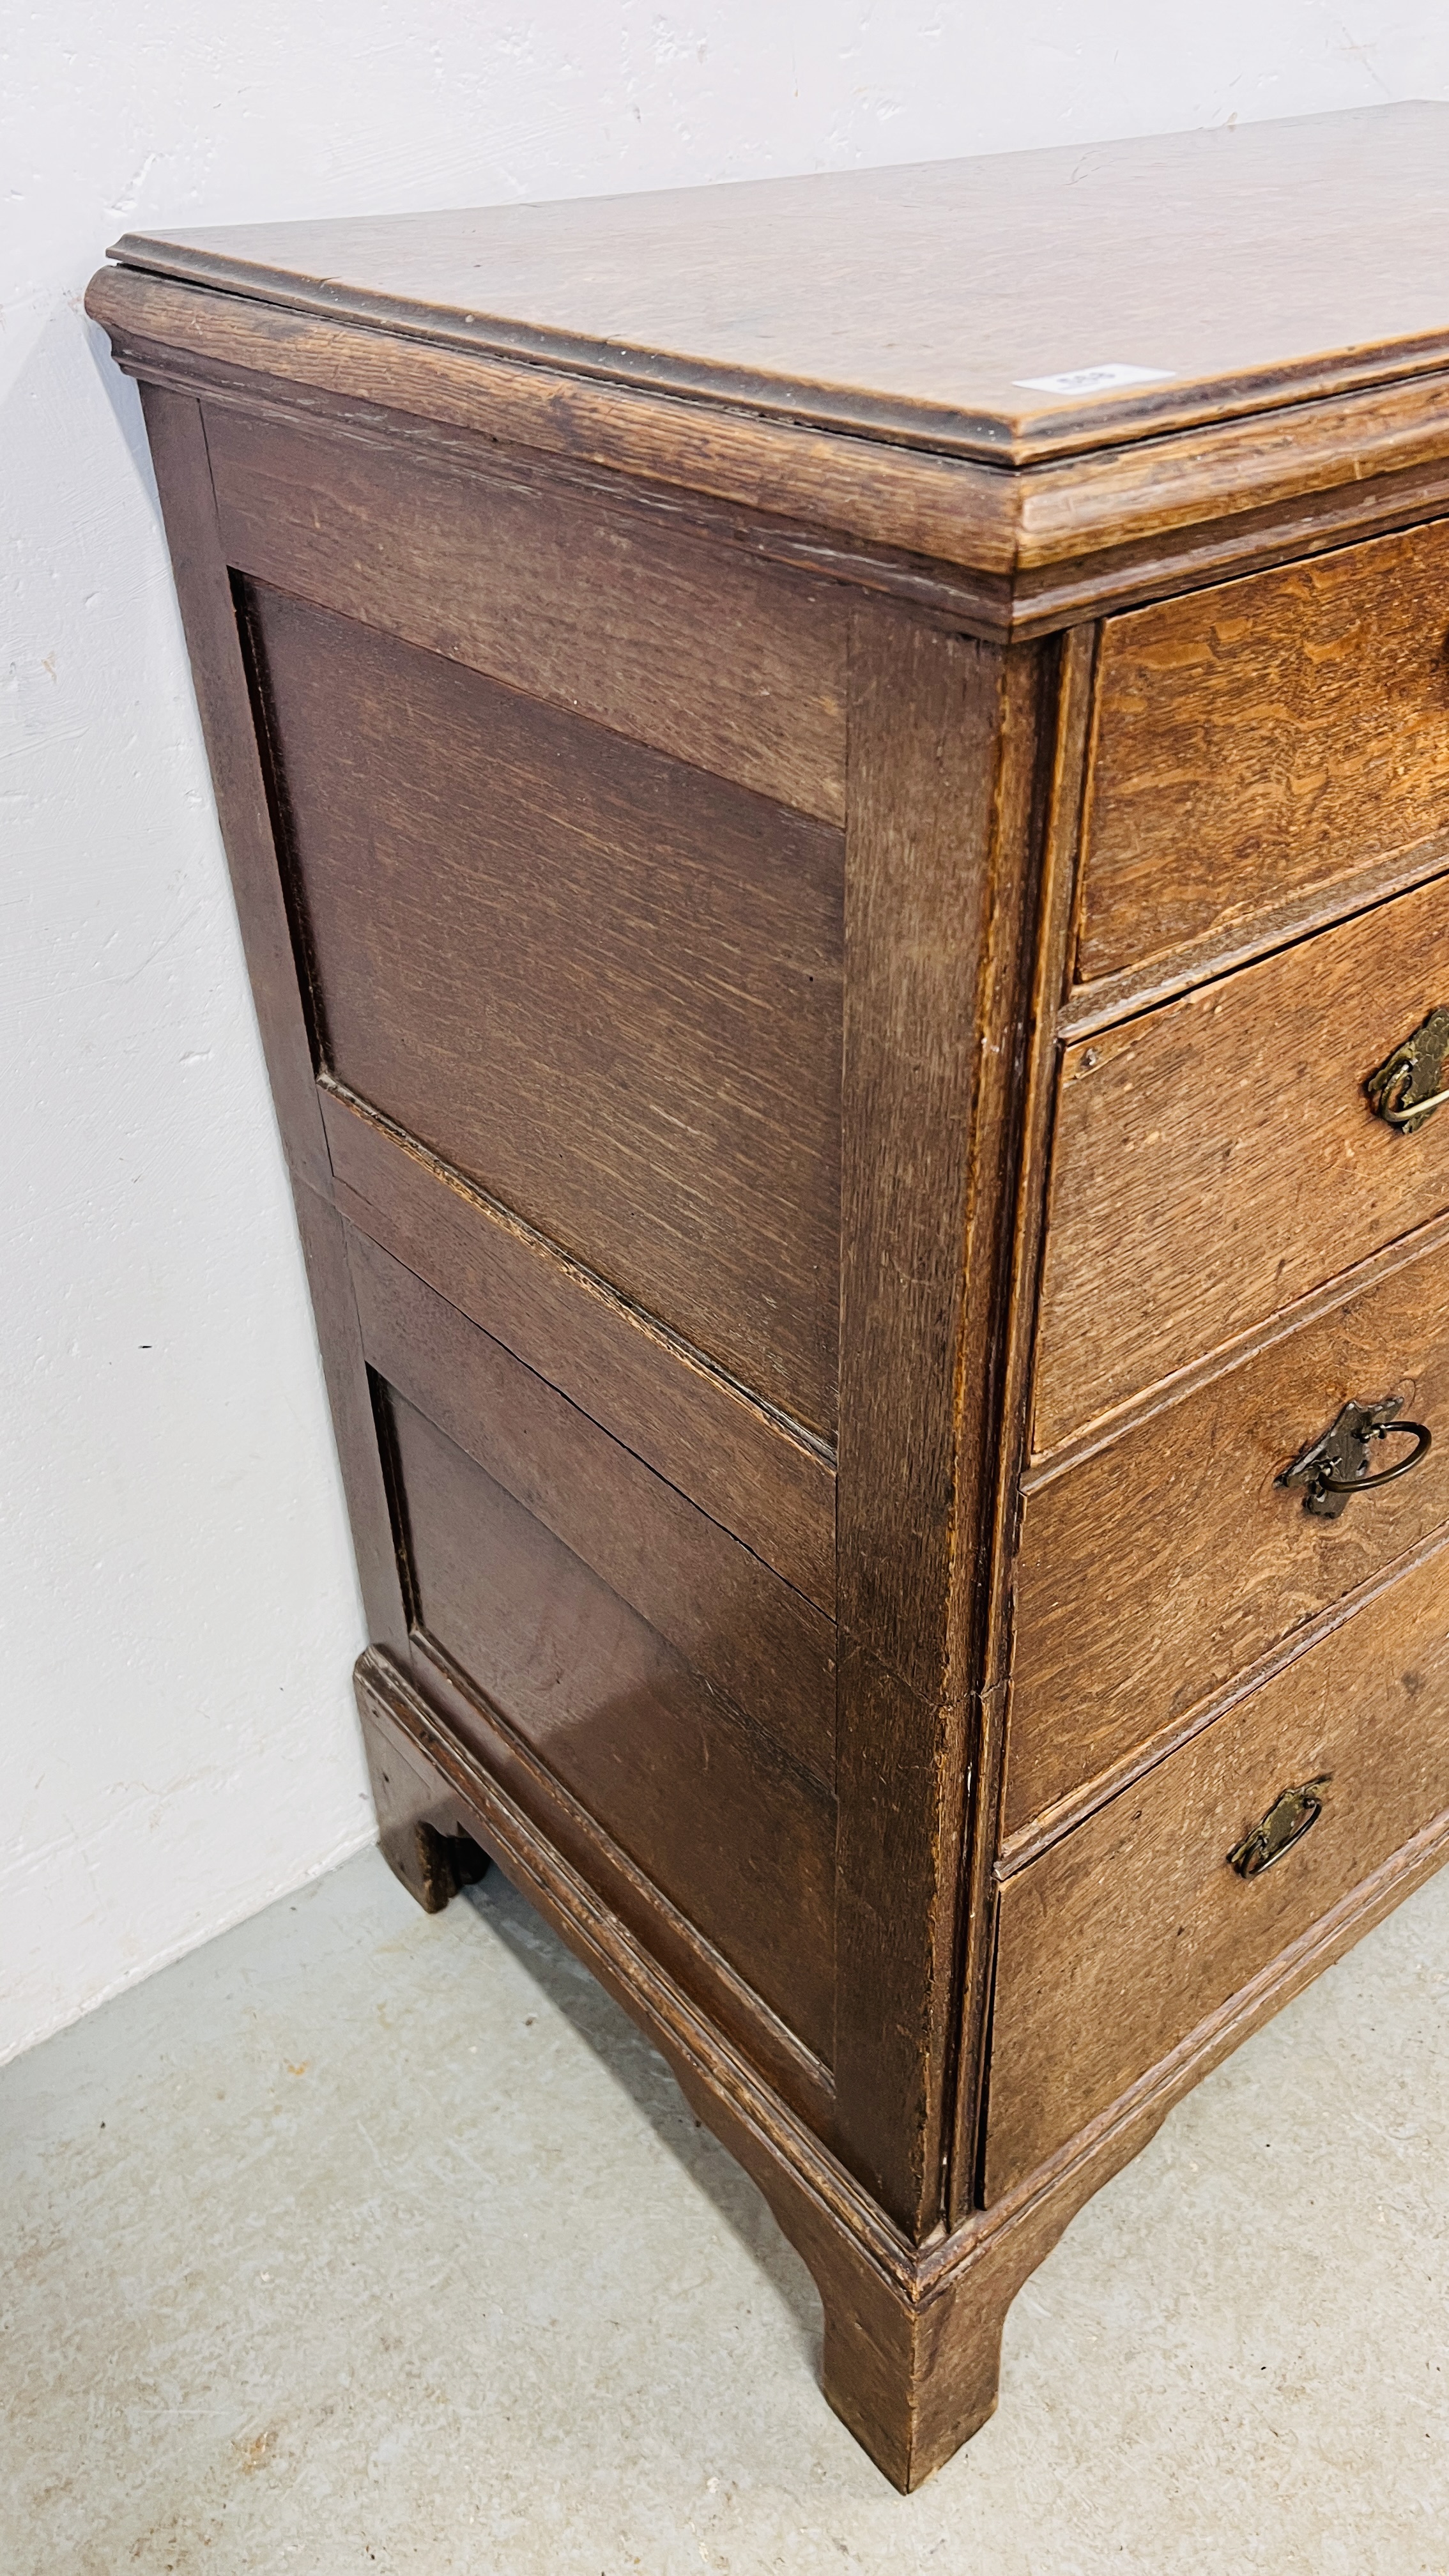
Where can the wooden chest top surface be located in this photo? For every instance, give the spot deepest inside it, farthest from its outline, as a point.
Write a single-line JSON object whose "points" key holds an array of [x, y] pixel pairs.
{"points": [[1197, 275]]}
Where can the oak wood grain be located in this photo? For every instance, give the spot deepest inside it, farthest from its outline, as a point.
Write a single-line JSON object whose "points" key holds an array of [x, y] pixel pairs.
{"points": [[1066, 698], [334, 1303], [177, 438], [945, 771], [925, 719], [1157, 515], [465, 1742], [1321, 693], [925, 711], [1217, 1158], [178, 448], [1119, 1940], [602, 984], [1162, 976], [1287, 519], [936, 508], [763, 1480], [689, 647], [693, 1147], [1172, 1559], [908, 2330], [911, 2335], [747, 1634], [731, 1831], [1315, 248], [1306, 465]]}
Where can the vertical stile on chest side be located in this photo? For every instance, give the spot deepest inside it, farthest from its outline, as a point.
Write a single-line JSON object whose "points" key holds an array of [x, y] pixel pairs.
{"points": [[1043, 965], [953, 753]]}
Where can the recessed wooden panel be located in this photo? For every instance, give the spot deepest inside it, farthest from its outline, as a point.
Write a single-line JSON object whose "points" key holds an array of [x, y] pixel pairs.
{"points": [[1262, 738], [774, 1489], [683, 645], [603, 985], [745, 1633], [1172, 1559], [1217, 1158], [1127, 1934], [738, 1837]]}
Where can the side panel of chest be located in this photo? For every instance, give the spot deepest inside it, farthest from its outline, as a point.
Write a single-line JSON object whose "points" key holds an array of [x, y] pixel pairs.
{"points": [[653, 1136]]}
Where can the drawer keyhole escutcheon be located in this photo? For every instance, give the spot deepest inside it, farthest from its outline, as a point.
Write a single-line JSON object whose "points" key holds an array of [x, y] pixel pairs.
{"points": [[1286, 1823], [1413, 1082], [1335, 1467]]}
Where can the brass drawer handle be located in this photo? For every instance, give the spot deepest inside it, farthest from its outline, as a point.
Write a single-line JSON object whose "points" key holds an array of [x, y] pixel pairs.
{"points": [[1410, 1084], [1335, 1466], [1409, 1120], [1286, 1823]]}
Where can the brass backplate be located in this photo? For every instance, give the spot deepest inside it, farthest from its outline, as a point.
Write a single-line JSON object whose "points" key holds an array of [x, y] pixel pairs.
{"points": [[1413, 1082]]}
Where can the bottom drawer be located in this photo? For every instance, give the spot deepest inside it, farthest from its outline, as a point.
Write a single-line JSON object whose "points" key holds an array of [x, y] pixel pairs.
{"points": [[1135, 1927]]}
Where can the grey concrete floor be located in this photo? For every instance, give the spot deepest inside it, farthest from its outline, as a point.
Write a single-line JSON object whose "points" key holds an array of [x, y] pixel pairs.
{"points": [[359, 2241]]}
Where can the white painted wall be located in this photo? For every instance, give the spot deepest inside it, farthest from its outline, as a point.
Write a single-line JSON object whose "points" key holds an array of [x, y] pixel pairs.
{"points": [[176, 1739]]}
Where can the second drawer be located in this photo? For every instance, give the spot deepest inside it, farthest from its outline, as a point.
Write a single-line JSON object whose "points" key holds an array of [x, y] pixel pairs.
{"points": [[1217, 1158], [1153, 1572]]}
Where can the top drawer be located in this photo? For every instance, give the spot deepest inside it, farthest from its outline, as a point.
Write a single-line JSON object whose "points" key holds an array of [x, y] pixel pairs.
{"points": [[1263, 738]]}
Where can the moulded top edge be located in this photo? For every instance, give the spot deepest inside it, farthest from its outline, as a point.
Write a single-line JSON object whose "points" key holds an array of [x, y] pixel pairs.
{"points": [[1016, 307]]}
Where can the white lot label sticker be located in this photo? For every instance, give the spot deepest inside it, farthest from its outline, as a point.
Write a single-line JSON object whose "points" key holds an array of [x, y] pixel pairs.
{"points": [[1094, 380]]}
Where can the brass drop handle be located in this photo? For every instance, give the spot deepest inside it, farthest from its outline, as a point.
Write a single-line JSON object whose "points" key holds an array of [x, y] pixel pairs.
{"points": [[1289, 1818], [1409, 1119], [1334, 1467], [1413, 1082]]}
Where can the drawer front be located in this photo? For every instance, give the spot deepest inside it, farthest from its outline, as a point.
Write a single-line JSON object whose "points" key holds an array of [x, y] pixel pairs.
{"points": [[1217, 1158], [1257, 740], [1173, 1559], [1119, 1941]]}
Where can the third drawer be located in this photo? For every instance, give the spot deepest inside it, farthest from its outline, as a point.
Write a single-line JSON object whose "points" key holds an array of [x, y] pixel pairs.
{"points": [[1152, 1573]]}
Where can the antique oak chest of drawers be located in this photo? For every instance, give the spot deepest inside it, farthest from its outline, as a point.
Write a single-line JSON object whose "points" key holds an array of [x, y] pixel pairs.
{"points": [[839, 798]]}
